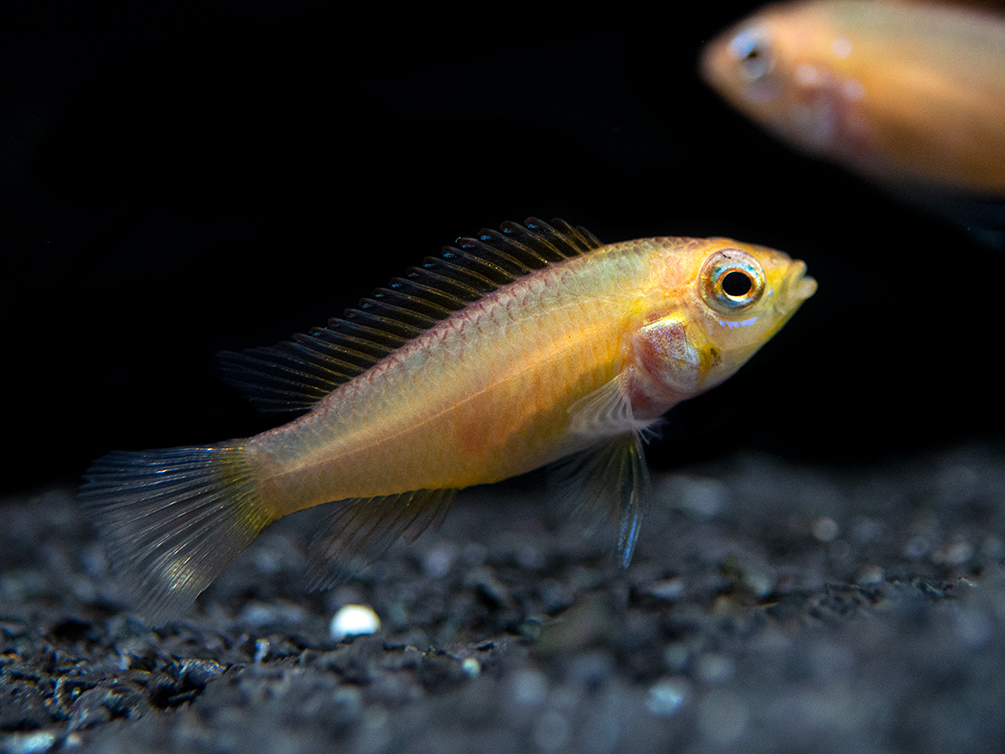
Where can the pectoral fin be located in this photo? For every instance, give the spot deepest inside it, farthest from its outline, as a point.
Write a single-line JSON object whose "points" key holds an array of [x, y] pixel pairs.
{"points": [[605, 413], [608, 481]]}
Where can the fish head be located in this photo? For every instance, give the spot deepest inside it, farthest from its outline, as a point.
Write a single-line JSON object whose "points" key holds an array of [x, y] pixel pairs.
{"points": [[729, 299], [790, 68]]}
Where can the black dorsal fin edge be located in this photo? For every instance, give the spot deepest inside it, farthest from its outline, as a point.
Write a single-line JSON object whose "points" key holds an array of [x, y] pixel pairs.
{"points": [[294, 375]]}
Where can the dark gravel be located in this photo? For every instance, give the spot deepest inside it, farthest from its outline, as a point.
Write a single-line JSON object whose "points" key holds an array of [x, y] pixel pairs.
{"points": [[770, 608]]}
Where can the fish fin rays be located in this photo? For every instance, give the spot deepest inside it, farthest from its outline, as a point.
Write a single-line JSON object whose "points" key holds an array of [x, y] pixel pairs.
{"points": [[357, 532], [172, 520], [288, 377], [608, 482], [293, 376], [606, 412]]}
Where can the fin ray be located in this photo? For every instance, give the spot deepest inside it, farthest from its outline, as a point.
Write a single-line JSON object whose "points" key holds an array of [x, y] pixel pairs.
{"points": [[172, 520], [609, 482], [606, 412], [359, 531], [294, 375]]}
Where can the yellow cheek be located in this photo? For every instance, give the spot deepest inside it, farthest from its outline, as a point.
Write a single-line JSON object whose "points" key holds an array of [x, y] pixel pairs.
{"points": [[727, 344]]}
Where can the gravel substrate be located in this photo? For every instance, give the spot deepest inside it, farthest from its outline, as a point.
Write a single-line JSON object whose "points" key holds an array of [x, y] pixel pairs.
{"points": [[770, 607]]}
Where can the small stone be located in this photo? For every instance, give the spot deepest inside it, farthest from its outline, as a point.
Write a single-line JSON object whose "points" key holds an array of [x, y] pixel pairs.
{"points": [[714, 668], [530, 687], [666, 697], [471, 667], [871, 575], [666, 589], [28, 743], [959, 553], [826, 529], [354, 620]]}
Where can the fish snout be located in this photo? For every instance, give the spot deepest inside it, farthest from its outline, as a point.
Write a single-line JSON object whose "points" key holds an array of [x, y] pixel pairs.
{"points": [[798, 284]]}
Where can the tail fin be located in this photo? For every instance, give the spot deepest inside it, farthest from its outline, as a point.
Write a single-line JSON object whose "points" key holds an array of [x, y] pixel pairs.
{"points": [[173, 519]]}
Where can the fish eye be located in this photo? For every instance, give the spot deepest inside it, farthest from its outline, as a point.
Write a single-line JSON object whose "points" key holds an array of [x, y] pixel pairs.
{"points": [[752, 50], [736, 284], [731, 281]]}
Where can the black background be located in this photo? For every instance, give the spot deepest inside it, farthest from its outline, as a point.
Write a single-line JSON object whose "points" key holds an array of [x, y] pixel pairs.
{"points": [[183, 178]]}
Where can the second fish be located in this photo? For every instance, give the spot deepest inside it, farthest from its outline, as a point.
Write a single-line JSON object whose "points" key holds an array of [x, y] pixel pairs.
{"points": [[910, 94]]}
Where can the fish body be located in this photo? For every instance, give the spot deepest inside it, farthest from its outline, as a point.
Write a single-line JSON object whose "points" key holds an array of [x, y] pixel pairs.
{"points": [[512, 351], [910, 94]]}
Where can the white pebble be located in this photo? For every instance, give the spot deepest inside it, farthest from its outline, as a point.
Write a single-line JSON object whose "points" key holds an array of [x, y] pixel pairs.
{"points": [[261, 650], [471, 667], [354, 620]]}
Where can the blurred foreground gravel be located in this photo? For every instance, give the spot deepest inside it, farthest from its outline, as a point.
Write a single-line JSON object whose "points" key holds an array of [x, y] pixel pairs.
{"points": [[770, 608]]}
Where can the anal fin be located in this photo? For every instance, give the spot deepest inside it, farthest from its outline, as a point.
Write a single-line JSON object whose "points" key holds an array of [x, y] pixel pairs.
{"points": [[359, 531]]}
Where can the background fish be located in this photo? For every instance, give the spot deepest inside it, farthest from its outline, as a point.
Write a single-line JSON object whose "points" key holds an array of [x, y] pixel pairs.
{"points": [[910, 94], [511, 351]]}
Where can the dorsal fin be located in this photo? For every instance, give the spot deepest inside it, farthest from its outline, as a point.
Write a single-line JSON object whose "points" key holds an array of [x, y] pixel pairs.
{"points": [[294, 375]]}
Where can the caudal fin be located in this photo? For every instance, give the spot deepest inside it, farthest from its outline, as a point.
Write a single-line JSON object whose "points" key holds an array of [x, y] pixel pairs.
{"points": [[172, 520]]}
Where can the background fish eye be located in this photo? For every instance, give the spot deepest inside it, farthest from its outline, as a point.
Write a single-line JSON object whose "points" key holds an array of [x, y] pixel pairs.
{"points": [[752, 50]]}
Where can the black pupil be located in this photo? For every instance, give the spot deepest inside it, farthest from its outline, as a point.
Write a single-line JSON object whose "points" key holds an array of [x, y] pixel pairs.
{"points": [[736, 284]]}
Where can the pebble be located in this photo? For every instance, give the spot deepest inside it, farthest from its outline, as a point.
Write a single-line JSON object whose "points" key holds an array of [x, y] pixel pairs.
{"points": [[28, 743], [666, 697], [826, 529], [354, 620]]}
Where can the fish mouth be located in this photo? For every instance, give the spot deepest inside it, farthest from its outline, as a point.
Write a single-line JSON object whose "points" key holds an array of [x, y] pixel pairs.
{"points": [[798, 284]]}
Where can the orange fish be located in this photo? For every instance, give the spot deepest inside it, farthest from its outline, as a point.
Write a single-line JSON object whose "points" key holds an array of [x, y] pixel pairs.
{"points": [[508, 352], [910, 94]]}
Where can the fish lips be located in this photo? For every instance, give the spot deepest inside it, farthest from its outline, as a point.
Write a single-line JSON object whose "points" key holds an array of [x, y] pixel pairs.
{"points": [[797, 284]]}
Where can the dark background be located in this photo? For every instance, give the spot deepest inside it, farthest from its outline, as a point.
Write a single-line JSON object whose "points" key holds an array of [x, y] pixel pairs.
{"points": [[183, 178]]}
